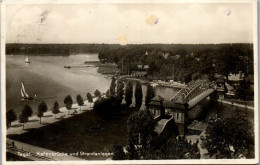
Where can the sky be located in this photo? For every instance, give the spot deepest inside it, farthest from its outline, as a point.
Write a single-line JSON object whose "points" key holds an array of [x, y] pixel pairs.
{"points": [[135, 23]]}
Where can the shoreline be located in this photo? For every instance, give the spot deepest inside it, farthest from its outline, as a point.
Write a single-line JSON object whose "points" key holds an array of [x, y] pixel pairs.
{"points": [[48, 118]]}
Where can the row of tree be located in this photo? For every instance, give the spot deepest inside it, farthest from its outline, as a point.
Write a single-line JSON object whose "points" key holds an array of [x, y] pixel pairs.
{"points": [[42, 108], [118, 91]]}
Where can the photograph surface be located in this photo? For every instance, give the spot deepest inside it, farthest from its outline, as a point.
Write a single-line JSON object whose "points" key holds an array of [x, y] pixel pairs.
{"points": [[129, 82]]}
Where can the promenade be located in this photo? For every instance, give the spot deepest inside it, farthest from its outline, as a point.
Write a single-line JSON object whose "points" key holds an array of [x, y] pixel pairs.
{"points": [[48, 118], [236, 104], [37, 153]]}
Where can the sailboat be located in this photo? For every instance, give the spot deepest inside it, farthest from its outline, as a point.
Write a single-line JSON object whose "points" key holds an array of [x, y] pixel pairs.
{"points": [[27, 60], [25, 96]]}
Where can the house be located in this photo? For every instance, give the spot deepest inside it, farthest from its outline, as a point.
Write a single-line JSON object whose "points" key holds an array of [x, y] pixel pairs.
{"points": [[165, 55], [142, 67], [221, 87], [177, 56], [146, 67], [138, 73], [236, 77]]}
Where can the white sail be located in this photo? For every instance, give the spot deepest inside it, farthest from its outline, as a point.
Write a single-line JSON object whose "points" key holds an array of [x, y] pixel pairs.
{"points": [[27, 60], [24, 94]]}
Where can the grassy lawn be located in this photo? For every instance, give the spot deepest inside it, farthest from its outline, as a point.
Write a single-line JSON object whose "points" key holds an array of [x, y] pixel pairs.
{"points": [[73, 134]]}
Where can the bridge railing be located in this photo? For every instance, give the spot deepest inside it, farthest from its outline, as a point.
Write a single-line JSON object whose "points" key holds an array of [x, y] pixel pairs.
{"points": [[192, 90]]}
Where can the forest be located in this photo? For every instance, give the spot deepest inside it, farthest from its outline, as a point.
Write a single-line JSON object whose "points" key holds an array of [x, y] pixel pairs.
{"points": [[183, 62]]}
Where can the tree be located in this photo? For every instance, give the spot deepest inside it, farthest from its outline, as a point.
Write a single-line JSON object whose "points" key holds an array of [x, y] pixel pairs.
{"points": [[55, 109], [149, 94], [108, 93], [112, 88], [140, 126], [97, 93], [26, 112], [89, 97], [10, 117], [138, 96], [41, 109], [118, 152], [180, 148], [120, 90], [104, 107], [133, 152], [229, 137], [226, 61], [129, 93], [80, 101], [206, 64], [68, 102], [23, 119]]}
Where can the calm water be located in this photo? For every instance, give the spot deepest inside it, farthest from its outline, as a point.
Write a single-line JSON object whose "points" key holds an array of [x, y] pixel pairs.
{"points": [[47, 78]]}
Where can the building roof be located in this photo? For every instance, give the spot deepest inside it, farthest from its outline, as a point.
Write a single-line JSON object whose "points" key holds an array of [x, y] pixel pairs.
{"points": [[168, 104], [156, 101], [157, 98], [221, 79], [160, 125]]}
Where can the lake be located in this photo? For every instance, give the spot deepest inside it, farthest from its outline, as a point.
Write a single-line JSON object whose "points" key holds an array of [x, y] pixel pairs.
{"points": [[47, 78]]}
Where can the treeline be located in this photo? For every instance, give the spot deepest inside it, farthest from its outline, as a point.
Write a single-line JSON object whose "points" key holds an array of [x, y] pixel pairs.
{"points": [[27, 111], [183, 62], [36, 49], [56, 49]]}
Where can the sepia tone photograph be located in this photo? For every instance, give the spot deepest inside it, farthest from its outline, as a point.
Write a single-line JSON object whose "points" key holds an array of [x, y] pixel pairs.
{"points": [[129, 82]]}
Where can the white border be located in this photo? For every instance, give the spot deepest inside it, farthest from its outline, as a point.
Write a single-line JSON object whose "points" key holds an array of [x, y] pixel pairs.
{"points": [[201, 161]]}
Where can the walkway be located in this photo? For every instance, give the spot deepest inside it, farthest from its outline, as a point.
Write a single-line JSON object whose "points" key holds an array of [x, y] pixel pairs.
{"points": [[236, 104], [48, 118], [37, 153]]}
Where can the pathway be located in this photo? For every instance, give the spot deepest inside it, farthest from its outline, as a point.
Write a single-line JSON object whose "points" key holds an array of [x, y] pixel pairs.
{"points": [[37, 153], [48, 118], [236, 104]]}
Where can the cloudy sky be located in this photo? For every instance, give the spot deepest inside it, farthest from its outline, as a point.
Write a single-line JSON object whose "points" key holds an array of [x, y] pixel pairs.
{"points": [[129, 23]]}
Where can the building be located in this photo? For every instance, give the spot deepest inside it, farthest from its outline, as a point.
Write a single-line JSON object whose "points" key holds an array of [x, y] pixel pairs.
{"points": [[221, 87], [168, 112], [138, 73]]}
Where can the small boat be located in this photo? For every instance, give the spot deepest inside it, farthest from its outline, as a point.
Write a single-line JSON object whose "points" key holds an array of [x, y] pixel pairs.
{"points": [[67, 66], [25, 96], [27, 60]]}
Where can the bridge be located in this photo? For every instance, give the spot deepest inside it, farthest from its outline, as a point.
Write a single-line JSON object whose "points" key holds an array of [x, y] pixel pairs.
{"points": [[193, 93]]}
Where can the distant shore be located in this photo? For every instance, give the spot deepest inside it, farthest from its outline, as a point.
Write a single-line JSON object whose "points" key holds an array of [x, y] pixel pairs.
{"points": [[106, 68]]}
